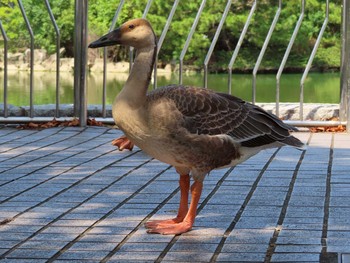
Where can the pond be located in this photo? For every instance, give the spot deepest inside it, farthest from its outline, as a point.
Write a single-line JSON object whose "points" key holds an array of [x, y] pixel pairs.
{"points": [[319, 87]]}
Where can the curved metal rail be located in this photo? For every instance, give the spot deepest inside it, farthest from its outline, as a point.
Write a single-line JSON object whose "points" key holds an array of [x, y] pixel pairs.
{"points": [[189, 38], [104, 81], [6, 39], [263, 49], [213, 43], [30, 31], [286, 55], [311, 58], [131, 49], [238, 46], [161, 39], [58, 45]]}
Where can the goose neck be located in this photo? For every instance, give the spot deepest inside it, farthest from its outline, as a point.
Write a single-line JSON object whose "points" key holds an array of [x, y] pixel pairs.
{"points": [[135, 88]]}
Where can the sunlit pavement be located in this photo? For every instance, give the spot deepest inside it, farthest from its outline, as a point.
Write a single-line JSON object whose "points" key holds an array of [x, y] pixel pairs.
{"points": [[68, 195]]}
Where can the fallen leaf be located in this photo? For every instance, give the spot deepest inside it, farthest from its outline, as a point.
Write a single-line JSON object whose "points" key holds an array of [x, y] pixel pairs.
{"points": [[339, 128], [56, 123]]}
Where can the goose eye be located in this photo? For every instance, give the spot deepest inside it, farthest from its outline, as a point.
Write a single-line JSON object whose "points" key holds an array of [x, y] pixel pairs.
{"points": [[131, 26]]}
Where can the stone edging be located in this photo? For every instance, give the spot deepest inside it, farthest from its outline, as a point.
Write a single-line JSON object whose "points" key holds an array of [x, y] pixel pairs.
{"points": [[288, 111]]}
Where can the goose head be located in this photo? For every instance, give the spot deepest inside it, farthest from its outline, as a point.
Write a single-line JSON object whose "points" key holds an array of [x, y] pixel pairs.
{"points": [[137, 33]]}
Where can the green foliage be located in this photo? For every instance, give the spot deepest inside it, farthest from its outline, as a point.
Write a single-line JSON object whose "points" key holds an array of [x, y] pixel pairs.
{"points": [[101, 13], [41, 25]]}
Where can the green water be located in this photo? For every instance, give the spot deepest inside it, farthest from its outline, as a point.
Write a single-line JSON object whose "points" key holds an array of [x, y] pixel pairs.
{"points": [[319, 87]]}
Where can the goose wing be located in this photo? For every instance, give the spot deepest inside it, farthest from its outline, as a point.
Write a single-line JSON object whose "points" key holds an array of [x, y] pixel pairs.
{"points": [[208, 112]]}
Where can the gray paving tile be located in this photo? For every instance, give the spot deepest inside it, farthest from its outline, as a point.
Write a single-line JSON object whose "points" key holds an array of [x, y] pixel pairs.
{"points": [[295, 257], [135, 257], [241, 257], [245, 248], [48, 225], [81, 255], [298, 241], [143, 247], [345, 258], [32, 253], [104, 238], [7, 244], [22, 260], [298, 249], [188, 256]]}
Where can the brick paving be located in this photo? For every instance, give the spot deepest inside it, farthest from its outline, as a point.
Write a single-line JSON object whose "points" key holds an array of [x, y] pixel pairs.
{"points": [[68, 195]]}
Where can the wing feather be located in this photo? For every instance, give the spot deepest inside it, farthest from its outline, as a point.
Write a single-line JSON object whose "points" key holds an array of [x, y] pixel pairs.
{"points": [[208, 112]]}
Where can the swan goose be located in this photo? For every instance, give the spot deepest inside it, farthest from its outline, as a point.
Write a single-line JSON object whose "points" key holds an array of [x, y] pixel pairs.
{"points": [[193, 129]]}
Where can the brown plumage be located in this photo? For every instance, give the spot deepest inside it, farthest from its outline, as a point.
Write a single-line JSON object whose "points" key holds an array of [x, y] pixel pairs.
{"points": [[196, 130]]}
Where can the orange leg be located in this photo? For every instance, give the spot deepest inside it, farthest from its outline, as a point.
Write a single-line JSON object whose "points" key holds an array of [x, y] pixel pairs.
{"points": [[187, 223], [184, 183], [123, 143]]}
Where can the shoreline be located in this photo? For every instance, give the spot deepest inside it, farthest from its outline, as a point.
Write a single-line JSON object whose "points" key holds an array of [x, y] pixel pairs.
{"points": [[47, 63], [288, 111]]}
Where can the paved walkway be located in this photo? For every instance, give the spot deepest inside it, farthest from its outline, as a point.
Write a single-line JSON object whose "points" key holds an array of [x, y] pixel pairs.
{"points": [[67, 195]]}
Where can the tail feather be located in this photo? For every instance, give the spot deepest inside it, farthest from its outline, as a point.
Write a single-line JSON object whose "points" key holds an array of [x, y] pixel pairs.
{"points": [[294, 142]]}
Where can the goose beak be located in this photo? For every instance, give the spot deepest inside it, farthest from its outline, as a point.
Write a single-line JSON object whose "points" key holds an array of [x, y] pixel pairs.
{"points": [[110, 39]]}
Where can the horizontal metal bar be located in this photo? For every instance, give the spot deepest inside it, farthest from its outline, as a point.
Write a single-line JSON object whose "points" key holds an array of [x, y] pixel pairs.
{"points": [[315, 123], [18, 120], [14, 120]]}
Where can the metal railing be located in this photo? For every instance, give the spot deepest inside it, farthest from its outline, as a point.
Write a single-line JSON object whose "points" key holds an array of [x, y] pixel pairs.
{"points": [[286, 55], [80, 64], [345, 66]]}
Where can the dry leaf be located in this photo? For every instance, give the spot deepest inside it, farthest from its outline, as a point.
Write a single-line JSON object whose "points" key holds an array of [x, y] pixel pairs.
{"points": [[56, 123], [339, 128]]}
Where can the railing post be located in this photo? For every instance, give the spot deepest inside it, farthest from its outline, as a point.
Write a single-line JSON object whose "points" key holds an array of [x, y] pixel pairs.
{"points": [[238, 46], [286, 55], [345, 67], [58, 45], [309, 63], [161, 39], [4, 36], [188, 40], [263, 49], [31, 81], [80, 58], [213, 42], [104, 84]]}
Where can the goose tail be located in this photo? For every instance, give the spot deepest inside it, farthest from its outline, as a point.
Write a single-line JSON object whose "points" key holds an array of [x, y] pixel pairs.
{"points": [[294, 142]]}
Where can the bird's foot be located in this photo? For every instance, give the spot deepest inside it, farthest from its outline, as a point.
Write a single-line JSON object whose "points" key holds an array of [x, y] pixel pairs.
{"points": [[123, 143], [168, 227], [155, 223]]}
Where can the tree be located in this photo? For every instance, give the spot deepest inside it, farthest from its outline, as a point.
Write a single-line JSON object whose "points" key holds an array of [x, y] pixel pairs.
{"points": [[44, 34], [101, 13]]}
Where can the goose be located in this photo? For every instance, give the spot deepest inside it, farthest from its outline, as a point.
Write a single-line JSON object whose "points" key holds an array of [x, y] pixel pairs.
{"points": [[193, 129]]}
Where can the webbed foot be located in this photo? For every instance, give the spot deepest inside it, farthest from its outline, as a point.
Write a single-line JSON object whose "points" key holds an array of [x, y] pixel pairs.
{"points": [[123, 143]]}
